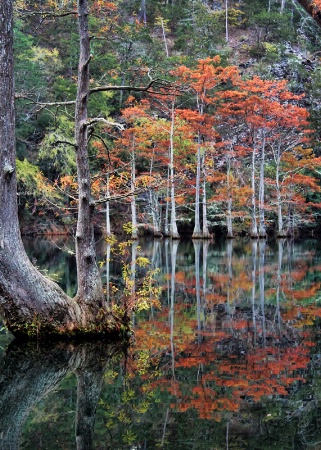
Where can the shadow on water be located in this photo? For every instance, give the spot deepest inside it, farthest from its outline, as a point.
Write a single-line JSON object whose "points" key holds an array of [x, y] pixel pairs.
{"points": [[30, 371]]}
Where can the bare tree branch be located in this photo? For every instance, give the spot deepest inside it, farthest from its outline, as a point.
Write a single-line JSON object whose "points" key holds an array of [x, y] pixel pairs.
{"points": [[45, 14], [92, 122], [43, 104], [72, 144], [148, 88]]}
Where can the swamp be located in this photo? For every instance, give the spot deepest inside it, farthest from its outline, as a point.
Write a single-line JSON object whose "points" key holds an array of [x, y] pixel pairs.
{"points": [[230, 359]]}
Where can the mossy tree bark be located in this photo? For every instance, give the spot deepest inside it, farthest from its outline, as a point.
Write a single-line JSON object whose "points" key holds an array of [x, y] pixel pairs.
{"points": [[30, 304]]}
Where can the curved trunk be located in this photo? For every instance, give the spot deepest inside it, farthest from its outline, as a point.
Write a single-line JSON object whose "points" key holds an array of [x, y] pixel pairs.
{"points": [[30, 304]]}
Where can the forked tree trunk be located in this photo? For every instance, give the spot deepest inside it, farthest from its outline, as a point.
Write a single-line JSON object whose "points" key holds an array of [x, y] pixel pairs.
{"points": [[30, 304]]}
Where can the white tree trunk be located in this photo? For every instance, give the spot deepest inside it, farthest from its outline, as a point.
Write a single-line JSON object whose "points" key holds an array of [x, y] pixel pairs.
{"points": [[262, 227], [254, 230], [133, 198], [197, 233], [229, 219], [173, 228]]}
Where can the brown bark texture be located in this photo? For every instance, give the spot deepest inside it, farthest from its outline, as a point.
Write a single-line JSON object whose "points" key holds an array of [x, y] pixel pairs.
{"points": [[30, 304]]}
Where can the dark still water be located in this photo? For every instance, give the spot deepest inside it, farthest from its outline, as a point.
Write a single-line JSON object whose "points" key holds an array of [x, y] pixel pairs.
{"points": [[232, 360]]}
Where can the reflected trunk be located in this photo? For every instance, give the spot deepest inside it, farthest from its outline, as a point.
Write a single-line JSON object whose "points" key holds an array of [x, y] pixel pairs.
{"points": [[254, 258], [197, 252], [229, 252], [279, 281], [30, 371], [108, 252], [174, 247], [262, 288]]}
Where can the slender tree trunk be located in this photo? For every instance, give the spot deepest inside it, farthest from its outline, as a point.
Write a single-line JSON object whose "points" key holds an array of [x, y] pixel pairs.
{"points": [[206, 232], [164, 38], [197, 233], [133, 198], [229, 219], [197, 252], [166, 218], [262, 227], [30, 304], [253, 279], [108, 227], [174, 247], [173, 228], [262, 288], [226, 21], [279, 282], [153, 203], [254, 230], [108, 253], [280, 231], [229, 254]]}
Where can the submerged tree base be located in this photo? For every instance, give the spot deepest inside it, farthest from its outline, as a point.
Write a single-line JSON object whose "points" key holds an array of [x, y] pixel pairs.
{"points": [[104, 325], [73, 320]]}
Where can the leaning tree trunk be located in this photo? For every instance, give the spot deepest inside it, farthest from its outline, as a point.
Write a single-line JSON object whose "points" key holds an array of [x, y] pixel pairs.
{"points": [[30, 304]]}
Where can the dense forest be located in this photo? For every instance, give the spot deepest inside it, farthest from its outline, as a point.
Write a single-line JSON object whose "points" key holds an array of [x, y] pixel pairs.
{"points": [[204, 116]]}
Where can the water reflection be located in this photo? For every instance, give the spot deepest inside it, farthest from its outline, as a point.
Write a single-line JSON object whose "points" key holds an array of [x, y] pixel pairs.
{"points": [[29, 372], [232, 359]]}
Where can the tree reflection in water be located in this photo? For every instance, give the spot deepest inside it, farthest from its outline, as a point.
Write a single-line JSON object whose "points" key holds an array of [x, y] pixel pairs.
{"points": [[29, 371], [232, 360]]}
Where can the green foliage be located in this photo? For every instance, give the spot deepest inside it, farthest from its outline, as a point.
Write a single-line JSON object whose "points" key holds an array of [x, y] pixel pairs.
{"points": [[139, 290], [56, 156]]}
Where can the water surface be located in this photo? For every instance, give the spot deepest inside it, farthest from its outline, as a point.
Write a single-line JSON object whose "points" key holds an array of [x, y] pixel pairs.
{"points": [[231, 360]]}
